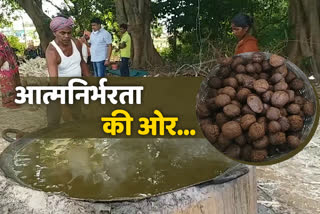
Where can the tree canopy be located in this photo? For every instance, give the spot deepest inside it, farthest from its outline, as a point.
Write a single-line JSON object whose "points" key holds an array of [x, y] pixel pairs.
{"points": [[191, 25]]}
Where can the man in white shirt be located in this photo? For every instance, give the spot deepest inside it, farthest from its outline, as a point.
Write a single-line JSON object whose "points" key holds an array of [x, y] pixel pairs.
{"points": [[101, 47], [64, 59]]}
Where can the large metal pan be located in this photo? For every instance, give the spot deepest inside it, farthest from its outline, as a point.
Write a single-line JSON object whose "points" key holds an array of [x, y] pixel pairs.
{"points": [[174, 150]]}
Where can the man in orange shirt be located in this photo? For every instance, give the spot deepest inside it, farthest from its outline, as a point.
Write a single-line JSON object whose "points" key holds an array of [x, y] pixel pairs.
{"points": [[241, 25]]}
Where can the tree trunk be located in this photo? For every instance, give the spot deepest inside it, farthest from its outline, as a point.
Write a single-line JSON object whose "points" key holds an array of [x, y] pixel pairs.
{"points": [[137, 14], [41, 21], [305, 47]]}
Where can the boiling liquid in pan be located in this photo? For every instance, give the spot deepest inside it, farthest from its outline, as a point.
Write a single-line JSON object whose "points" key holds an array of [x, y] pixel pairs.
{"points": [[105, 169]]}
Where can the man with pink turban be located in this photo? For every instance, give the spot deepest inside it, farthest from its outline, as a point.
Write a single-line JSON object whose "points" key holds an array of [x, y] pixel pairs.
{"points": [[64, 59], [61, 22]]}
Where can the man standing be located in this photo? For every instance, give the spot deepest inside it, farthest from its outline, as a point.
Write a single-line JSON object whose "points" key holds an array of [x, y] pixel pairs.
{"points": [[64, 59], [125, 50], [101, 47]]}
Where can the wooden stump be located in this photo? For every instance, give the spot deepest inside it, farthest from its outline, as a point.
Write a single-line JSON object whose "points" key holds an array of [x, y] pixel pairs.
{"points": [[238, 196]]}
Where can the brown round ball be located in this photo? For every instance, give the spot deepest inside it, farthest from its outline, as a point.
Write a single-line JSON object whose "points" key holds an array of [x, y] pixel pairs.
{"points": [[240, 68], [245, 153], [302, 115], [277, 77], [231, 130], [231, 110], [224, 72], [222, 143], [247, 120], [229, 91], [233, 151], [258, 67], [273, 113], [221, 119], [264, 76], [276, 60], [258, 155], [293, 109], [266, 65], [205, 121], [236, 61], [242, 94], [256, 131], [266, 97], [215, 82], [277, 138], [240, 78], [202, 110], [291, 95], [231, 81], [279, 99], [237, 103], [257, 57], [255, 76], [211, 104], [290, 76], [263, 122], [261, 86], [293, 141], [211, 132], [222, 100], [248, 81], [255, 103], [261, 143], [282, 70], [308, 109], [212, 93], [297, 84], [299, 100], [241, 140], [296, 123], [283, 112], [280, 86], [274, 127], [247, 110], [250, 68], [284, 122], [265, 108]]}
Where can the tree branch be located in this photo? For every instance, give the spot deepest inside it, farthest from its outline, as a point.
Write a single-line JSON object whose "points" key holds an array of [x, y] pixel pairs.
{"points": [[58, 8]]}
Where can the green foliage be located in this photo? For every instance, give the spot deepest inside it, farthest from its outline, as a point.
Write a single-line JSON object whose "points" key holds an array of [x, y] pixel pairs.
{"points": [[83, 11], [156, 28], [16, 45], [208, 30], [7, 15], [198, 29]]}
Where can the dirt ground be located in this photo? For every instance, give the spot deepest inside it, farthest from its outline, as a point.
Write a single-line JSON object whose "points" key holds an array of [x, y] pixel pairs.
{"points": [[289, 187], [292, 186]]}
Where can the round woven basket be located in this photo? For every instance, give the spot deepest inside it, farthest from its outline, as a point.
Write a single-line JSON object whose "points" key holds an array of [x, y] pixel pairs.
{"points": [[308, 92]]}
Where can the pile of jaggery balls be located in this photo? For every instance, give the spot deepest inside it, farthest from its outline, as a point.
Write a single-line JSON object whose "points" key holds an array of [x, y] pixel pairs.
{"points": [[254, 108]]}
